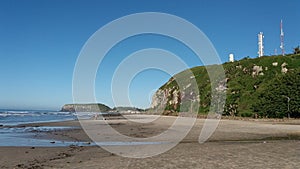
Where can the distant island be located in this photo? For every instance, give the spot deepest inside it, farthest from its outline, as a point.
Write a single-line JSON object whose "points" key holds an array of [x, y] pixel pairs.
{"points": [[91, 107], [99, 107]]}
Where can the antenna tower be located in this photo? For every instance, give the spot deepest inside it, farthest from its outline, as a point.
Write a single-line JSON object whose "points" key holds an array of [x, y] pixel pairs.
{"points": [[260, 44], [281, 38]]}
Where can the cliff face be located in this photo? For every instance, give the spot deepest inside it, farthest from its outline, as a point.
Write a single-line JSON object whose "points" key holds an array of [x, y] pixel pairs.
{"points": [[97, 107], [246, 83], [168, 98]]}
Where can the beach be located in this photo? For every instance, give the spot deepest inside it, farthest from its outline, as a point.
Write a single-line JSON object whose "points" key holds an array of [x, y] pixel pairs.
{"points": [[247, 143]]}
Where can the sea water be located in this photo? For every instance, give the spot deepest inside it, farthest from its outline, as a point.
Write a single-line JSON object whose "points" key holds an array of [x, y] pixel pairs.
{"points": [[12, 133], [15, 117]]}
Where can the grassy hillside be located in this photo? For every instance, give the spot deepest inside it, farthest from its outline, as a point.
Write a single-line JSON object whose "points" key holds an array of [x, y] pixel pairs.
{"points": [[255, 87]]}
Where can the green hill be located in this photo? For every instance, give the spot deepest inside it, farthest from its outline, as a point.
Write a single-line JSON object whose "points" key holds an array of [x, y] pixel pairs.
{"points": [[254, 87]]}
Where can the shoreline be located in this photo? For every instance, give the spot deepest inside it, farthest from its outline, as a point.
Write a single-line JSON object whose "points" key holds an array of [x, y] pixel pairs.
{"points": [[243, 144], [71, 126], [65, 130]]}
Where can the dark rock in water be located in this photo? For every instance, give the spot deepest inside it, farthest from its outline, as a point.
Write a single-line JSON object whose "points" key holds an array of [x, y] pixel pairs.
{"points": [[52, 142], [1, 125]]}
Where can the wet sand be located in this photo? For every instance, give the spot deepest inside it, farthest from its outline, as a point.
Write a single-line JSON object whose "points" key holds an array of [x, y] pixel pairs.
{"points": [[235, 144]]}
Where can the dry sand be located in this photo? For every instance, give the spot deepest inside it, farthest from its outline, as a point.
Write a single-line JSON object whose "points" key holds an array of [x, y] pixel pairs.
{"points": [[235, 144]]}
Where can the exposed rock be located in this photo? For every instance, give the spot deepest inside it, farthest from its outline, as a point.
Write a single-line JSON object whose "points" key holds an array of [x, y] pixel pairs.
{"points": [[256, 70], [222, 85], [255, 86], [284, 64], [239, 66], [283, 67], [158, 97], [284, 70], [187, 86], [221, 88]]}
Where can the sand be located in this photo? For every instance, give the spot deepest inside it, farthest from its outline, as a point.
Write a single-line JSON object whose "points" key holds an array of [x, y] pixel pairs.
{"points": [[235, 144]]}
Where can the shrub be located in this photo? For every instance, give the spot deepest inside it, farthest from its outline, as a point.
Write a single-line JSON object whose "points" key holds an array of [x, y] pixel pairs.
{"points": [[247, 114]]}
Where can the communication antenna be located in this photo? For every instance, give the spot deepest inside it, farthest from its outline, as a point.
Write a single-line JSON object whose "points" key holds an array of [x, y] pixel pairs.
{"points": [[281, 38], [260, 44]]}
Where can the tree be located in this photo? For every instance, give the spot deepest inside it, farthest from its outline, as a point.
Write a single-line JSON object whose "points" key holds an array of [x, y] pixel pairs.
{"points": [[273, 100], [297, 50]]}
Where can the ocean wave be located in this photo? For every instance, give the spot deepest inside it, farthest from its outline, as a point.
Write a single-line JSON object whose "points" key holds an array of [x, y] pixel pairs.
{"points": [[11, 117], [31, 113], [34, 129]]}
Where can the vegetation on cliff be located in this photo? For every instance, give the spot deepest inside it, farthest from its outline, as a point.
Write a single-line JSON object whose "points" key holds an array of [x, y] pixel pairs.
{"points": [[257, 87]]}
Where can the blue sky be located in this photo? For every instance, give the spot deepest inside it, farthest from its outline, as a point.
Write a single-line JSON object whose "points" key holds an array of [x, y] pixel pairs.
{"points": [[40, 42]]}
